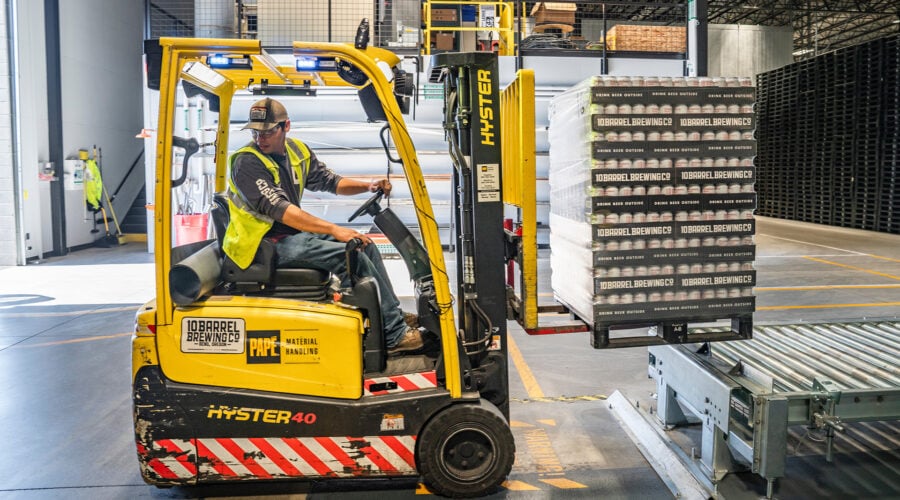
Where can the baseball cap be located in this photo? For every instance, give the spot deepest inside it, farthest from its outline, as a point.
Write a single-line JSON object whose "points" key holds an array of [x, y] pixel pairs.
{"points": [[265, 114]]}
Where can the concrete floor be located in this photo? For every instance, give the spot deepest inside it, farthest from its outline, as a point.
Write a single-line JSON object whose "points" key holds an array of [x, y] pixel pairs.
{"points": [[65, 400]]}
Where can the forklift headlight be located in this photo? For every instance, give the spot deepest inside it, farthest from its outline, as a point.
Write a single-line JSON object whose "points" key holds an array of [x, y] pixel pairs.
{"points": [[305, 63], [223, 61]]}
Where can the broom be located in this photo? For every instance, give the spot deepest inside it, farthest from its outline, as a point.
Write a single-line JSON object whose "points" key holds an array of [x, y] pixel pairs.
{"points": [[118, 238]]}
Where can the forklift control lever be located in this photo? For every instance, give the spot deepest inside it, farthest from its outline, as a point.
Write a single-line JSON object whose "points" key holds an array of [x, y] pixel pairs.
{"points": [[354, 244], [352, 257]]}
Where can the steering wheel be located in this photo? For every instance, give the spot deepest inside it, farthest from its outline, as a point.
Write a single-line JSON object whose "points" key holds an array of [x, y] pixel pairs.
{"points": [[370, 206]]}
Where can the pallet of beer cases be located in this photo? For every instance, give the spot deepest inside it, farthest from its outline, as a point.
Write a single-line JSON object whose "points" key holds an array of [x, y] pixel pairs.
{"points": [[651, 207]]}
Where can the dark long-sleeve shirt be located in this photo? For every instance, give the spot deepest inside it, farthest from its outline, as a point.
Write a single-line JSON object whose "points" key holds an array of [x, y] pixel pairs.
{"points": [[257, 186]]}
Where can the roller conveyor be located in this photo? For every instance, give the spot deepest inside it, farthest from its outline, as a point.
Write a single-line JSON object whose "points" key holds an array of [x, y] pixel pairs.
{"points": [[852, 356], [748, 394]]}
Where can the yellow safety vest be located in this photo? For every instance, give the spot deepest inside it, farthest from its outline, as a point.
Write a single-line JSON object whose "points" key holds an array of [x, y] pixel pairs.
{"points": [[93, 185], [247, 227]]}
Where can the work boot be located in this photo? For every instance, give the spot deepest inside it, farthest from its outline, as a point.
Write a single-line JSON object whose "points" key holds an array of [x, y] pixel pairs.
{"points": [[411, 340], [411, 320]]}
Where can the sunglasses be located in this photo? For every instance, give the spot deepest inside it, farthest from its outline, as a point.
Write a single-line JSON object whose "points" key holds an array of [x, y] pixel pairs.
{"points": [[265, 134]]}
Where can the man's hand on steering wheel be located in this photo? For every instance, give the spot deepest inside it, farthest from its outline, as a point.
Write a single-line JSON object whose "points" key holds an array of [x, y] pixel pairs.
{"points": [[383, 184]]}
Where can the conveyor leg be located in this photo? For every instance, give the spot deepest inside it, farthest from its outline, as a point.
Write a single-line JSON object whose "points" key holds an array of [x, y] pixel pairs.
{"points": [[770, 487], [668, 411], [715, 455]]}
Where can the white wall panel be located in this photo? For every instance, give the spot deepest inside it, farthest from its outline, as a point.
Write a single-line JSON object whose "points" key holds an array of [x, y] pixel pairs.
{"points": [[33, 150], [8, 251], [740, 50]]}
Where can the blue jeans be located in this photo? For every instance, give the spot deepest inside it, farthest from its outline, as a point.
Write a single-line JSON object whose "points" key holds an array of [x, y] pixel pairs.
{"points": [[321, 251]]}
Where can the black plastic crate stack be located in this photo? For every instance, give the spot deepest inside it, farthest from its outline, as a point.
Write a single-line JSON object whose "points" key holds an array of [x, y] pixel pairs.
{"points": [[870, 61], [772, 199], [651, 205], [828, 138], [835, 134], [838, 167], [889, 204], [802, 148]]}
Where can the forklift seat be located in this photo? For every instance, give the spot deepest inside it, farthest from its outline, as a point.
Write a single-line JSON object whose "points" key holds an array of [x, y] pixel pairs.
{"points": [[263, 276]]}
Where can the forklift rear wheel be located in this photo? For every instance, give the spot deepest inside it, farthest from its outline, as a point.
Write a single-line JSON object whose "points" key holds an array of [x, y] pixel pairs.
{"points": [[467, 450]]}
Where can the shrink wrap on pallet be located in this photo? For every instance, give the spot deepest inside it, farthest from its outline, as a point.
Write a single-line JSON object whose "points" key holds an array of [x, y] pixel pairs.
{"points": [[651, 199]]}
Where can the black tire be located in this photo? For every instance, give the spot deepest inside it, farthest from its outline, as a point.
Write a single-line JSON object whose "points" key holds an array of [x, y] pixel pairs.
{"points": [[467, 450]]}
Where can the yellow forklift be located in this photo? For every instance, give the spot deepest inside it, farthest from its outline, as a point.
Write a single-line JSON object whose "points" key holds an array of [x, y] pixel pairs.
{"points": [[269, 374]]}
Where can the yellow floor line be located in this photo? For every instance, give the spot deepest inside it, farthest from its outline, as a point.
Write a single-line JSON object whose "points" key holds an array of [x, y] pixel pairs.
{"points": [[891, 276], [135, 238], [563, 483], [540, 448], [560, 399], [820, 287], [74, 341], [826, 306], [531, 384], [513, 485], [882, 257]]}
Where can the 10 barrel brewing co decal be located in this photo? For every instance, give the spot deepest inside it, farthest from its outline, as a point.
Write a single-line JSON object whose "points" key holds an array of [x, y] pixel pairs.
{"points": [[213, 335]]}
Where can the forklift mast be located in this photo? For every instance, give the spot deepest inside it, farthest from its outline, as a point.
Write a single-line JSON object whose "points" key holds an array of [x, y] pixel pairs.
{"points": [[472, 128]]}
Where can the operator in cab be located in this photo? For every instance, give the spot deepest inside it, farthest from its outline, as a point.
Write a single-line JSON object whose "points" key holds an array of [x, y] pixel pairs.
{"points": [[265, 187]]}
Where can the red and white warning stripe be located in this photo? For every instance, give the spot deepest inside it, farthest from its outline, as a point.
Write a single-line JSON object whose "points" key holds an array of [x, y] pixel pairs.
{"points": [[273, 458], [408, 382], [171, 459]]}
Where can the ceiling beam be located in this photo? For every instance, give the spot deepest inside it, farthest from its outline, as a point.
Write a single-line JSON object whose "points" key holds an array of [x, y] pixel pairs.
{"points": [[735, 11], [852, 29]]}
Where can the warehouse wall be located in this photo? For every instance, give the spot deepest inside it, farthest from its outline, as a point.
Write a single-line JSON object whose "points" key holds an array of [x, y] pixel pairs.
{"points": [[741, 50], [7, 212], [100, 63], [100, 56]]}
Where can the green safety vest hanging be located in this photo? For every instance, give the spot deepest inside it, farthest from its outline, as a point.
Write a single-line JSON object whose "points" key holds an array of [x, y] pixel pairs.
{"points": [[247, 227], [93, 185]]}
